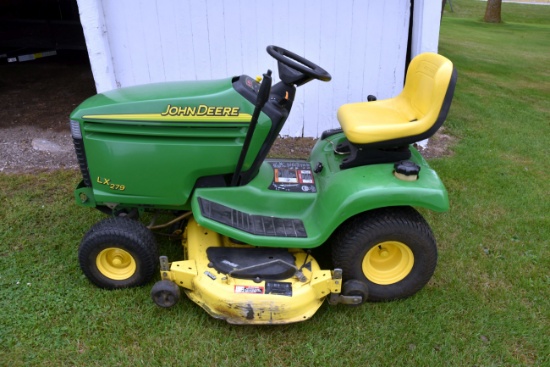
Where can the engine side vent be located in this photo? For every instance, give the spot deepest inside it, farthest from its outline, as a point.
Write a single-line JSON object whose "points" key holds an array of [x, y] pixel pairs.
{"points": [[82, 162], [260, 225]]}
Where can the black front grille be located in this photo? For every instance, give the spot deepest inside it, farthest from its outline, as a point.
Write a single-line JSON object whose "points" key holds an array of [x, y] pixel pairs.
{"points": [[82, 162]]}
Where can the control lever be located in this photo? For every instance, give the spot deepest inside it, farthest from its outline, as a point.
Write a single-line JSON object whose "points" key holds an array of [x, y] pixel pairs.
{"points": [[263, 95]]}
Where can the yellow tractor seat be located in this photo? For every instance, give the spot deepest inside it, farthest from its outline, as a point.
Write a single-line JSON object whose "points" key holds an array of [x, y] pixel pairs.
{"points": [[415, 114]]}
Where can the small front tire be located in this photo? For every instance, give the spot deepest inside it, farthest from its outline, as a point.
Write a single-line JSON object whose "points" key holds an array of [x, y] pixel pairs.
{"points": [[118, 252]]}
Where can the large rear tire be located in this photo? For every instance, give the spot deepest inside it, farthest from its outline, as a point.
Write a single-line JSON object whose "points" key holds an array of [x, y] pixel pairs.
{"points": [[118, 252], [392, 250]]}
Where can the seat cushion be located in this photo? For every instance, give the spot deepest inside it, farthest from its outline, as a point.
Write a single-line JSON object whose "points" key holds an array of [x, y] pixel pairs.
{"points": [[370, 122], [415, 114]]}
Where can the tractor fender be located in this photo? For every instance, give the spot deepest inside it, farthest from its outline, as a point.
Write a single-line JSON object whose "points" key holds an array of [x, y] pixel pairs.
{"points": [[354, 191]]}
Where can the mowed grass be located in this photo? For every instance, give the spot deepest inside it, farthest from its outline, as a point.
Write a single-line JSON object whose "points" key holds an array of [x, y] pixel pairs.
{"points": [[487, 304]]}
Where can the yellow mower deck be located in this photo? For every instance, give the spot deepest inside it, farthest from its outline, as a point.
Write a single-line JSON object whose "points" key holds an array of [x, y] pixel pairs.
{"points": [[243, 301]]}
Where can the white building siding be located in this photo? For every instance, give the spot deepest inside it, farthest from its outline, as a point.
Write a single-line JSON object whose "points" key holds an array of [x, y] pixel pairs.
{"points": [[362, 43]]}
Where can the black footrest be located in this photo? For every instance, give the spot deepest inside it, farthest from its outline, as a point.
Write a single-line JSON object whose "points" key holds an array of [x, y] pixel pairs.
{"points": [[256, 224], [252, 263]]}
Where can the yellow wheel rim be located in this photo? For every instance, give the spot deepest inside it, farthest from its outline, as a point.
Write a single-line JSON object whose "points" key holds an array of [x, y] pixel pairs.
{"points": [[388, 262], [116, 263]]}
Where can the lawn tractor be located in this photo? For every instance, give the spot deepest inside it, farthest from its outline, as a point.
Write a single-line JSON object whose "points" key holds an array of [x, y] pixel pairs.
{"points": [[251, 228]]}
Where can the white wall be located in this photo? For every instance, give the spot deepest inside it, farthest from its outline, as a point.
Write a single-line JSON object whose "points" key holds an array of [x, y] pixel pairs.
{"points": [[362, 43], [426, 20]]}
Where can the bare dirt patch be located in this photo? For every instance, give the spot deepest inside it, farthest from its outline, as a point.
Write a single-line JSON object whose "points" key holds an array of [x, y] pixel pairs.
{"points": [[288, 147], [36, 98], [438, 145], [51, 149]]}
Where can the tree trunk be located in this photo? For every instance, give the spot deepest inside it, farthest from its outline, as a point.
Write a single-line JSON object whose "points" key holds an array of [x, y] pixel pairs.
{"points": [[492, 12]]}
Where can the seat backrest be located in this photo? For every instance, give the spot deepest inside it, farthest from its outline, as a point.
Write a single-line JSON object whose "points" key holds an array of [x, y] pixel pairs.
{"points": [[428, 91]]}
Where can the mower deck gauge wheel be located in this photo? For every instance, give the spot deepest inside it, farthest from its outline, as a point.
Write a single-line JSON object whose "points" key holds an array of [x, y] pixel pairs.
{"points": [[165, 293], [356, 288]]}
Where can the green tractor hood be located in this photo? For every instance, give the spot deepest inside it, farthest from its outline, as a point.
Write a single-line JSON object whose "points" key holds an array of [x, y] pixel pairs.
{"points": [[148, 145], [191, 101]]}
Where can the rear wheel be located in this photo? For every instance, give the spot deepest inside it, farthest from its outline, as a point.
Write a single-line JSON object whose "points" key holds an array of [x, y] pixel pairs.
{"points": [[392, 250], [118, 252]]}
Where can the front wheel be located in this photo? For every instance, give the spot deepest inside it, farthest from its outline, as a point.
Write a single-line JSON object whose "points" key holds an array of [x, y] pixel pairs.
{"points": [[392, 249], [118, 252]]}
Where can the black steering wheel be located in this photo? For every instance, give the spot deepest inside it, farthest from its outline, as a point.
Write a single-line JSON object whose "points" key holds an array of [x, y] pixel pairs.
{"points": [[294, 69]]}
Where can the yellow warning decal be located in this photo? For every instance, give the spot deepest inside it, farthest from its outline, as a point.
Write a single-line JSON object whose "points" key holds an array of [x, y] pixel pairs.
{"points": [[177, 113]]}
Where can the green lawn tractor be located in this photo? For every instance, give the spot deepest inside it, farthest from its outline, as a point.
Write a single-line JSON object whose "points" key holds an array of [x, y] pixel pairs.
{"points": [[252, 227]]}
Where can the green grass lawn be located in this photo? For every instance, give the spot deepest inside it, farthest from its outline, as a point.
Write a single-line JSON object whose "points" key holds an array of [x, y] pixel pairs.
{"points": [[487, 304]]}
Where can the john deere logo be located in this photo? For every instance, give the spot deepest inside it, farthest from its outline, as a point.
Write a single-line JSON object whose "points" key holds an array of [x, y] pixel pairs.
{"points": [[201, 110], [201, 113]]}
